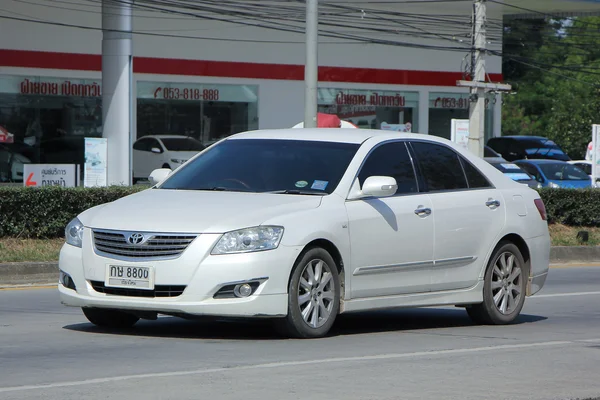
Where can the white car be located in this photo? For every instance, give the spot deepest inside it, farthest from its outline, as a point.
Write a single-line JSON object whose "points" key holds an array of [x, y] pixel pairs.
{"points": [[162, 151], [585, 166], [12, 165], [301, 225]]}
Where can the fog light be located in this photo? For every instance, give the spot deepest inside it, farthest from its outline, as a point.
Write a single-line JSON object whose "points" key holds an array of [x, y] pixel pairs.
{"points": [[66, 280], [244, 290]]}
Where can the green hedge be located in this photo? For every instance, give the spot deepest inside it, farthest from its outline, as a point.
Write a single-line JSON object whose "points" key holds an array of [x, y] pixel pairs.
{"points": [[573, 207], [44, 212]]}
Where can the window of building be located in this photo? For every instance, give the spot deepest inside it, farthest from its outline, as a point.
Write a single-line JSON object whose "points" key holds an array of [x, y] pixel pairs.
{"points": [[207, 113], [372, 109], [391, 159], [444, 107], [440, 167], [47, 119]]}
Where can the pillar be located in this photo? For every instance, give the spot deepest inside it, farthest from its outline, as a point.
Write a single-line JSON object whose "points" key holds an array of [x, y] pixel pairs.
{"points": [[117, 61]]}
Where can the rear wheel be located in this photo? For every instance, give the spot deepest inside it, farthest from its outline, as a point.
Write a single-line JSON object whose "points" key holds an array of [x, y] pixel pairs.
{"points": [[313, 296], [504, 288], [110, 318]]}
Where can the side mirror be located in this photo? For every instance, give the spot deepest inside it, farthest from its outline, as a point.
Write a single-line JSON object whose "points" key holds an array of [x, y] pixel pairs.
{"points": [[156, 150], [377, 186], [159, 175]]}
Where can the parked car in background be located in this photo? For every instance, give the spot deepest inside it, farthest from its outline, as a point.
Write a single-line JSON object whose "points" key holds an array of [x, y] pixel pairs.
{"points": [[513, 171], [585, 166], [556, 174], [513, 148], [162, 151], [299, 225], [11, 164]]}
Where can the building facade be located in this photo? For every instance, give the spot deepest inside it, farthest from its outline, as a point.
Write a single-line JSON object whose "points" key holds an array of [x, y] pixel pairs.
{"points": [[209, 79]]}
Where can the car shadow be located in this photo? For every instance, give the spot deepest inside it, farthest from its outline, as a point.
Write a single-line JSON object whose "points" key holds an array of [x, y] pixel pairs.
{"points": [[400, 321]]}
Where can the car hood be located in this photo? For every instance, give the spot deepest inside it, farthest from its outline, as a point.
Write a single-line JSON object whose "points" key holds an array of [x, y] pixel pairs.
{"points": [[162, 210]]}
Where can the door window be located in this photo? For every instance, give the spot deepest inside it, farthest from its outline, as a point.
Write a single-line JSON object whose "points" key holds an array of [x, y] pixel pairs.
{"points": [[440, 167], [531, 170], [391, 159], [142, 145], [475, 178]]}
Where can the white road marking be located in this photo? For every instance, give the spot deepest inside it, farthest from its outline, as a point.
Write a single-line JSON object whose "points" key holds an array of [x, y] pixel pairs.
{"points": [[539, 296], [291, 364]]}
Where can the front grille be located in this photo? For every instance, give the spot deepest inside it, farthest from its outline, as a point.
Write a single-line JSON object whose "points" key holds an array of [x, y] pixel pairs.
{"points": [[159, 290], [154, 245]]}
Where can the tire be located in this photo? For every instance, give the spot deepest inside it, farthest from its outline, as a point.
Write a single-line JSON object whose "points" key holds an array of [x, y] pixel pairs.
{"points": [[109, 318], [502, 283], [304, 293]]}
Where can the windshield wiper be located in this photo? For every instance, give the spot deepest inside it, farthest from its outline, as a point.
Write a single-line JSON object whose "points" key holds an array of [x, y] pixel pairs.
{"points": [[295, 191]]}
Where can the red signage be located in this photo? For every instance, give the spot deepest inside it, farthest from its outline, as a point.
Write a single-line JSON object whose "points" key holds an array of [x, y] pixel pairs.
{"points": [[65, 88], [453, 102], [374, 99], [170, 93]]}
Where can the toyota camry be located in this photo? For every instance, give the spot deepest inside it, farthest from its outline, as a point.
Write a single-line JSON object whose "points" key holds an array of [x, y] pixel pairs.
{"points": [[301, 225]]}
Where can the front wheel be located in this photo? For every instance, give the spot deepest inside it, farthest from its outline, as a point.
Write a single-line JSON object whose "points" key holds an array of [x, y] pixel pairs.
{"points": [[504, 288], [109, 318], [313, 295]]}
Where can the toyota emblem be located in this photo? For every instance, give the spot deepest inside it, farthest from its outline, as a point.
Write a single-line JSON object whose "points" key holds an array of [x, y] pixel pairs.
{"points": [[135, 238]]}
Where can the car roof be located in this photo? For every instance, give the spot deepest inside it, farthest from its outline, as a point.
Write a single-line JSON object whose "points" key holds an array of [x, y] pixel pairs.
{"points": [[542, 161], [337, 135]]}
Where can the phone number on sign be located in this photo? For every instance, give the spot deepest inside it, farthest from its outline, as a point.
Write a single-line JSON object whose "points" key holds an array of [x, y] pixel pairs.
{"points": [[186, 94]]}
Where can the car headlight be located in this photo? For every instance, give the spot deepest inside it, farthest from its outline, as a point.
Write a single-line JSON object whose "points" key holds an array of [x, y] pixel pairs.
{"points": [[248, 240], [74, 233], [539, 185], [554, 185], [178, 160]]}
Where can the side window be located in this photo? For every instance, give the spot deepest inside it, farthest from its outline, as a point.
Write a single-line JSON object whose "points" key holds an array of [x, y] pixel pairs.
{"points": [[391, 159], [440, 167], [141, 145], [475, 178], [531, 170]]}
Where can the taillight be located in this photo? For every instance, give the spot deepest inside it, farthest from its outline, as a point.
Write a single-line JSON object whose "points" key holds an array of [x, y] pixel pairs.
{"points": [[539, 203]]}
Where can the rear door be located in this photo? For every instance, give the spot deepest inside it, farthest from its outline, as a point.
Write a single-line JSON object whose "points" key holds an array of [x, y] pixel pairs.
{"points": [[468, 215]]}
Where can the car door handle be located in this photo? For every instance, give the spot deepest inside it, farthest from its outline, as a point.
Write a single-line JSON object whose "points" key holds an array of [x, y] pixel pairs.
{"points": [[423, 211], [492, 203]]}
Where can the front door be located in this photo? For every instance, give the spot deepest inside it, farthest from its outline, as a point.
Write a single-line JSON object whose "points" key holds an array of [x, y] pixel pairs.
{"points": [[469, 215], [391, 238]]}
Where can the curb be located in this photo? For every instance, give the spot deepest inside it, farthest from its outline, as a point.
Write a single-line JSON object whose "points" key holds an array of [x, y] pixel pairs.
{"points": [[46, 273], [28, 273]]}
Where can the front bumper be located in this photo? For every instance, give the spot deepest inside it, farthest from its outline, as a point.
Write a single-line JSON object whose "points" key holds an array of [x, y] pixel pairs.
{"points": [[201, 274]]}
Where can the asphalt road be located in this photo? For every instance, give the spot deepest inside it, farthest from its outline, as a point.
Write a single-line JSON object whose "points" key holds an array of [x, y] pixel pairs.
{"points": [[48, 351]]}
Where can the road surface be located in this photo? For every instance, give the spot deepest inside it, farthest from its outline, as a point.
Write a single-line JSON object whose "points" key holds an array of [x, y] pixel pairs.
{"points": [[48, 351]]}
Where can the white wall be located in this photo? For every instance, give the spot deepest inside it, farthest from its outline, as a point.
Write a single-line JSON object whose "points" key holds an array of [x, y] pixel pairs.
{"points": [[33, 36]]}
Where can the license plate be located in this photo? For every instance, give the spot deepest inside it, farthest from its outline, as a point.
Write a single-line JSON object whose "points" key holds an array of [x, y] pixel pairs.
{"points": [[127, 276]]}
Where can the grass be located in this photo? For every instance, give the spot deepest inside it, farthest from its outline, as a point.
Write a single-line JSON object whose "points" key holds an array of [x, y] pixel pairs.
{"points": [[22, 250], [19, 250], [567, 236]]}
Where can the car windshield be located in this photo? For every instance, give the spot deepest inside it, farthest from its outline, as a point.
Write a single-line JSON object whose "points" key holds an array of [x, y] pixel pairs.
{"points": [[266, 165], [513, 171], [182, 144], [563, 172], [542, 147]]}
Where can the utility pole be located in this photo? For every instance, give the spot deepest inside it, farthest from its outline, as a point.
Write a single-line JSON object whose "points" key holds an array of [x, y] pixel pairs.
{"points": [[478, 85], [311, 66]]}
